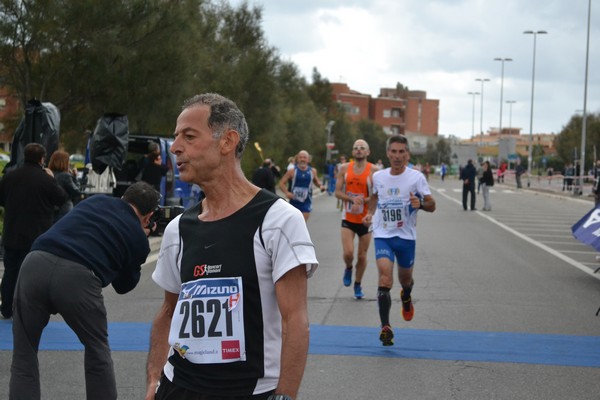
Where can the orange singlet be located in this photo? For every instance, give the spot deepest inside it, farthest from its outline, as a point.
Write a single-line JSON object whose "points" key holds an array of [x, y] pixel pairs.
{"points": [[357, 185]]}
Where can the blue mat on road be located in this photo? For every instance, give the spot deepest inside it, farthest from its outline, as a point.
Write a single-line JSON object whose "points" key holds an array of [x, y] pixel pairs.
{"points": [[505, 347]]}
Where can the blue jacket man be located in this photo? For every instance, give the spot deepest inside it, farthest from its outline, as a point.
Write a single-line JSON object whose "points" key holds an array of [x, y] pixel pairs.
{"points": [[467, 175]]}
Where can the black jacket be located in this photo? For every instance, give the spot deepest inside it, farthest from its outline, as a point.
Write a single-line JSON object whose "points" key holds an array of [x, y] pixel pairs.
{"points": [[28, 195], [468, 172], [263, 178], [488, 178]]}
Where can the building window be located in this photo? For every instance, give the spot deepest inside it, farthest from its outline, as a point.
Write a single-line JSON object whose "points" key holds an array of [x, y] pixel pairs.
{"points": [[387, 113], [396, 112], [350, 109], [396, 130]]}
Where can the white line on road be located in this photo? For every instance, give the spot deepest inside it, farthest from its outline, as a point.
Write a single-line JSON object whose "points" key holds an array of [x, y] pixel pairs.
{"points": [[534, 242]]}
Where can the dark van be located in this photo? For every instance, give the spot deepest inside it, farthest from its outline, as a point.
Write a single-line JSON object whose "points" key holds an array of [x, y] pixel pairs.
{"points": [[176, 195], [174, 192]]}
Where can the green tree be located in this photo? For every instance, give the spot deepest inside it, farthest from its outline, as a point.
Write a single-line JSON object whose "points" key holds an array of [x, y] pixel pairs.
{"points": [[374, 135], [91, 57], [321, 93], [143, 57], [438, 153], [568, 141]]}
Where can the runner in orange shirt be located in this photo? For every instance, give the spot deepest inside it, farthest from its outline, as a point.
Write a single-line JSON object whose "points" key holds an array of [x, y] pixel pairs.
{"points": [[353, 187]]}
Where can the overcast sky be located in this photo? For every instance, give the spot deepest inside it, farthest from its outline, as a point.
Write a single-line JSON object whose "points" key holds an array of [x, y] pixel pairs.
{"points": [[442, 46]]}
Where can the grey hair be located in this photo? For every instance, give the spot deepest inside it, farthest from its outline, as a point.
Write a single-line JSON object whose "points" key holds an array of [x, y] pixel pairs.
{"points": [[224, 114], [397, 139]]}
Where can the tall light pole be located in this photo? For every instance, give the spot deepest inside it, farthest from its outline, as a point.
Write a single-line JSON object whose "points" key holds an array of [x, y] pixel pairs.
{"points": [[502, 60], [482, 80], [329, 144], [530, 151], [473, 118], [584, 122], [510, 104]]}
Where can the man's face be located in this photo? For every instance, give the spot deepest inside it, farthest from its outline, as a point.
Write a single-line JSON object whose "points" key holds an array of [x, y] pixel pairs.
{"points": [[360, 150], [196, 151], [302, 159], [398, 155]]}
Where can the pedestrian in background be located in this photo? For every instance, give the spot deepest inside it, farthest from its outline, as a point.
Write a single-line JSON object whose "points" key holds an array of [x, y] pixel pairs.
{"points": [[253, 253], [467, 175], [479, 176], [154, 170], [29, 195], [568, 173], [67, 179], [519, 171], [263, 176], [487, 181], [443, 171]]}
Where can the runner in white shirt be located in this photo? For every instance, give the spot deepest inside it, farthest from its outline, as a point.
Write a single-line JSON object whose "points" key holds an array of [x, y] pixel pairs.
{"points": [[398, 193]]}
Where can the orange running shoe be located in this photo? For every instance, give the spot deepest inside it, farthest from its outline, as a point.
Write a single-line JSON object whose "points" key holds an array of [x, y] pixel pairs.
{"points": [[408, 311]]}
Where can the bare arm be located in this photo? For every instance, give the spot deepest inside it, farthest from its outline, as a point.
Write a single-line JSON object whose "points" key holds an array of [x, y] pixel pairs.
{"points": [[283, 183], [339, 184], [291, 292], [368, 219], [159, 343], [316, 180], [428, 203]]}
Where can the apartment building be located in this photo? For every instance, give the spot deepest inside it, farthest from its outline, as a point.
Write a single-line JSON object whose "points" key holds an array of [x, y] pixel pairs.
{"points": [[397, 111]]}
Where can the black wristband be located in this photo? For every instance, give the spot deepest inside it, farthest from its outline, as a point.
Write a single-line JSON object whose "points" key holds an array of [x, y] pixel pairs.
{"points": [[421, 201], [279, 397]]}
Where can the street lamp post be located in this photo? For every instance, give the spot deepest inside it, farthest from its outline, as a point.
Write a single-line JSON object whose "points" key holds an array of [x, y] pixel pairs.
{"points": [[584, 122], [510, 104], [328, 144], [530, 150], [473, 117], [502, 60], [482, 80]]}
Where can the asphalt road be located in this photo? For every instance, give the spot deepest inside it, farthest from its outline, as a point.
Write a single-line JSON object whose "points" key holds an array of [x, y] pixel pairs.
{"points": [[505, 309]]}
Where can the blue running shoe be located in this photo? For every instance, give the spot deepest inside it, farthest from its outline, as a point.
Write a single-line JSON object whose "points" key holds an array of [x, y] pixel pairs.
{"points": [[358, 293], [347, 276]]}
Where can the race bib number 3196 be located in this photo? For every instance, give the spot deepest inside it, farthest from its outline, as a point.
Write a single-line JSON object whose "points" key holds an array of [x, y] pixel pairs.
{"points": [[208, 323]]}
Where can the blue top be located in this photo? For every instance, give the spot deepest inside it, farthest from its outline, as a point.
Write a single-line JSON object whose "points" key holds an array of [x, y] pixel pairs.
{"points": [[104, 234], [302, 189]]}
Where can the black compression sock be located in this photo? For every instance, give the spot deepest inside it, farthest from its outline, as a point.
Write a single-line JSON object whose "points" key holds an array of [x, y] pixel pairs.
{"points": [[407, 291], [385, 303]]}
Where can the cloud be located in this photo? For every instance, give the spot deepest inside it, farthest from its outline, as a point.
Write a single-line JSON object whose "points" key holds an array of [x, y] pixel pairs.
{"points": [[442, 46]]}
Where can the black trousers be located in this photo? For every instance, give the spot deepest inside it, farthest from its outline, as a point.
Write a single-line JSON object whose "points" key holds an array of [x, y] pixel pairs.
{"points": [[13, 258], [168, 391], [47, 285], [470, 188]]}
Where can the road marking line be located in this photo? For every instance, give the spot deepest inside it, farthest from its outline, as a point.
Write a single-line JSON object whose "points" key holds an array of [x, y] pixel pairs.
{"points": [[534, 242]]}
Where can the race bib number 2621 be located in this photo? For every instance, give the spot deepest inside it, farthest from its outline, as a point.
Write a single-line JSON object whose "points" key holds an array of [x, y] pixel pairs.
{"points": [[208, 322]]}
